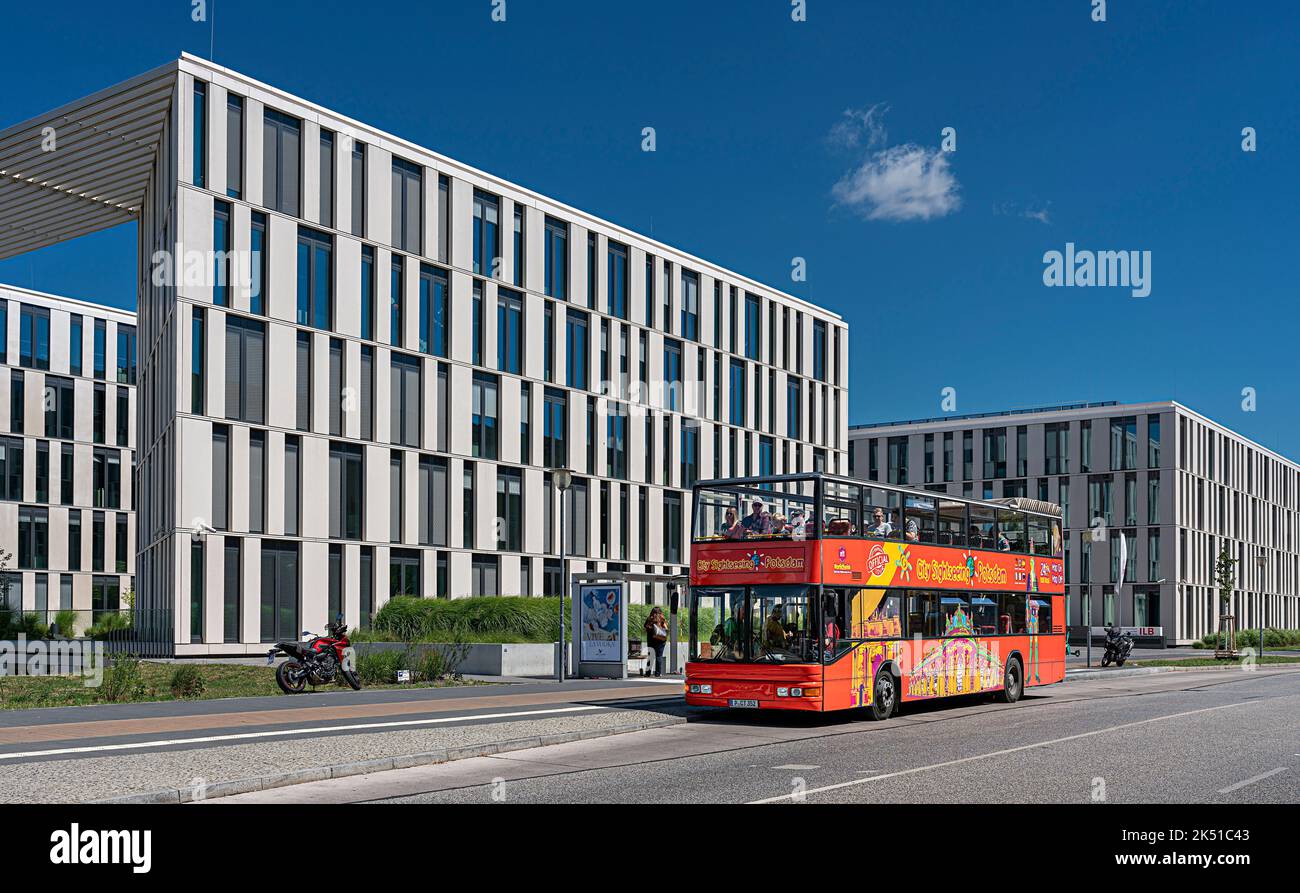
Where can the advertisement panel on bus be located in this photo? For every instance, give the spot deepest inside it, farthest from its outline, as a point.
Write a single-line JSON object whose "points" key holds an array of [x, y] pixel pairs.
{"points": [[870, 563]]}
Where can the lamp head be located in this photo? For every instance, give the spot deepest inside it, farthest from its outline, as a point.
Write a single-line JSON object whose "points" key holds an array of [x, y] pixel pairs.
{"points": [[562, 478]]}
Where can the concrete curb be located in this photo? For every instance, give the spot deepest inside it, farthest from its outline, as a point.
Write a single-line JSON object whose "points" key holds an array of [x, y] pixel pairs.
{"points": [[383, 764], [1079, 675]]}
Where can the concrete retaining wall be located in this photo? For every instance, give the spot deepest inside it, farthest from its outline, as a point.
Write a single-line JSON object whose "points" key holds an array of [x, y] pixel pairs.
{"points": [[485, 659]]}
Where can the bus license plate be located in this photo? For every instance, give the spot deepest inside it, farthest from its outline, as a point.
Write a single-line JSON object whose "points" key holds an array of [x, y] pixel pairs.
{"points": [[742, 702]]}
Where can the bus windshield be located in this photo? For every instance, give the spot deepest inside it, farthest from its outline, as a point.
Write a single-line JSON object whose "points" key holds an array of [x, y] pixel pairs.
{"points": [[754, 624]]}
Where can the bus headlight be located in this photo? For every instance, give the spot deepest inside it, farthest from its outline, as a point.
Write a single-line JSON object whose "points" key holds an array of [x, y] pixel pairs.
{"points": [[706, 689], [795, 692], [783, 692]]}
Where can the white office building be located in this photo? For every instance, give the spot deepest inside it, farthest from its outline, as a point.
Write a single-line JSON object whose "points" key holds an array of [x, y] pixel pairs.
{"points": [[1178, 486], [67, 449], [375, 409]]}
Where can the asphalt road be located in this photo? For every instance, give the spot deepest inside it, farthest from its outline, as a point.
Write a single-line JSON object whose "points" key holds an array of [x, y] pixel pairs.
{"points": [[1184, 737]]}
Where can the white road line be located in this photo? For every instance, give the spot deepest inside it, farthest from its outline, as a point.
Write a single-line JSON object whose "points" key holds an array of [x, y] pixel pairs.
{"points": [[1241, 784], [135, 745], [659, 680], [996, 753], [796, 767]]}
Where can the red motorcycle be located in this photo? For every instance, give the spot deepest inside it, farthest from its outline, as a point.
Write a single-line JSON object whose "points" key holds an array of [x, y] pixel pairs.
{"points": [[320, 660]]}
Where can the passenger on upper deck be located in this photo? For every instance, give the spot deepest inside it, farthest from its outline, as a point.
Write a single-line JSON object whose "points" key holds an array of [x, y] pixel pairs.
{"points": [[1004, 544], [731, 528], [911, 532], [879, 527], [780, 527], [758, 521]]}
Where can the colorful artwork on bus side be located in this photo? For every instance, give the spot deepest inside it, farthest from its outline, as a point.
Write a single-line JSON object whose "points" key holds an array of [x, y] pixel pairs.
{"points": [[939, 567], [956, 667]]}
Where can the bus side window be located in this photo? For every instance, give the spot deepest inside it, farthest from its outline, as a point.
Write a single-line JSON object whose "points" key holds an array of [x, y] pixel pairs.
{"points": [[1011, 617], [923, 614]]}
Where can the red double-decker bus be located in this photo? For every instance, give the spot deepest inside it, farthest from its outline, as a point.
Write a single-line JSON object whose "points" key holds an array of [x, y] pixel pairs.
{"points": [[816, 592]]}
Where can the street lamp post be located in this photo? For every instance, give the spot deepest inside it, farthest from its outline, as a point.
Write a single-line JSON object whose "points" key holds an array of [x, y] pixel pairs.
{"points": [[563, 479]]}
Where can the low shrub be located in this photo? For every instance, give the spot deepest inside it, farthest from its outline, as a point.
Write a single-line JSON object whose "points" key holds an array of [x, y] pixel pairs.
{"points": [[66, 620], [123, 680], [1249, 638], [107, 625], [187, 682], [483, 619], [380, 667]]}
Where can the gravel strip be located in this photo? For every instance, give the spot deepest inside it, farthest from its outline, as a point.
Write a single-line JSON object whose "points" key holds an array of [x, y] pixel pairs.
{"points": [[235, 768]]}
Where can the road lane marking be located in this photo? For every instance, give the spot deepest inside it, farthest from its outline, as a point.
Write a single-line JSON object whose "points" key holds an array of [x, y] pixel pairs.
{"points": [[243, 736], [797, 767], [996, 753], [1241, 784]]}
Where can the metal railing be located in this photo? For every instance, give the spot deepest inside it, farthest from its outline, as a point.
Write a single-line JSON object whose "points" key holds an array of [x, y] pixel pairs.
{"points": [[143, 632]]}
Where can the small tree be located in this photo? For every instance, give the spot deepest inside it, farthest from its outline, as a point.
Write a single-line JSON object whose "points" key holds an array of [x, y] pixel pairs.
{"points": [[1225, 575], [6, 585]]}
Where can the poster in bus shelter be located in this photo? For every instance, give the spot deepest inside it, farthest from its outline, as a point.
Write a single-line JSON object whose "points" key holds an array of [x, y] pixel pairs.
{"points": [[939, 567], [600, 614]]}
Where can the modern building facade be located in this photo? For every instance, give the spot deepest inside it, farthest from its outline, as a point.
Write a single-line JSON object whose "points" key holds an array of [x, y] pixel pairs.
{"points": [[1178, 486], [67, 450], [372, 410]]}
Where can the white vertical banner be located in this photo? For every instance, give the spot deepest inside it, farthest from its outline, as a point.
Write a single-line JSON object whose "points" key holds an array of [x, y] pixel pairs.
{"points": [[1123, 561]]}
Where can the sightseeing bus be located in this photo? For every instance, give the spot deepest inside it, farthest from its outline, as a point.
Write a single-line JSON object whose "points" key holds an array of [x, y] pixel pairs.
{"points": [[817, 592]]}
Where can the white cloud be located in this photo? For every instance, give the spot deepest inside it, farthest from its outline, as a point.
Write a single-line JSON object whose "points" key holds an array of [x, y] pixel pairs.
{"points": [[860, 127], [1028, 212], [907, 182]]}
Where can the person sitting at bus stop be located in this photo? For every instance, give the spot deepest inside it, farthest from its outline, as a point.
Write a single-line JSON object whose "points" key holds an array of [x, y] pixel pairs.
{"points": [[758, 521], [731, 528], [774, 632], [879, 527]]}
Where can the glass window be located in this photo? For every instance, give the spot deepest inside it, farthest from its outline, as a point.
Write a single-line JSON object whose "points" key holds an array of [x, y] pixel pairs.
{"points": [[315, 278], [395, 302], [919, 520], [952, 523], [303, 383], [34, 338], [510, 509], [200, 171], [347, 486], [557, 259], [617, 273], [1013, 615], [924, 617], [408, 206], [519, 237], [487, 234], [484, 416], [984, 614], [74, 341], [359, 190], [576, 361], [258, 248], [367, 292], [326, 173], [510, 331], [690, 305], [434, 304], [245, 370], [405, 400], [781, 625], [281, 161], [1011, 531], [753, 326]]}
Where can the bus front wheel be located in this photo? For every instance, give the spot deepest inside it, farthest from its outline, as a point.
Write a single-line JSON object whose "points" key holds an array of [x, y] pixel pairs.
{"points": [[1012, 682], [884, 697]]}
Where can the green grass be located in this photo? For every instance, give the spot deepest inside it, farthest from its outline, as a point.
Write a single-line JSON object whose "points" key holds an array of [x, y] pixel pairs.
{"points": [[154, 683], [1212, 662]]}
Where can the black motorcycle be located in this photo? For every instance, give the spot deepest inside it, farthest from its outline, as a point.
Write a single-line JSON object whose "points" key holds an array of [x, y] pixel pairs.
{"points": [[1118, 646], [320, 660]]}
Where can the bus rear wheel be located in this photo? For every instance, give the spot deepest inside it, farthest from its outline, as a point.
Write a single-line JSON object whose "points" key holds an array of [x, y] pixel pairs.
{"points": [[884, 696], [1012, 682]]}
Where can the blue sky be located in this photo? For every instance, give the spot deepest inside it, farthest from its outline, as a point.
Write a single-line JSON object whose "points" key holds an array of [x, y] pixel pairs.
{"points": [[1115, 135]]}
